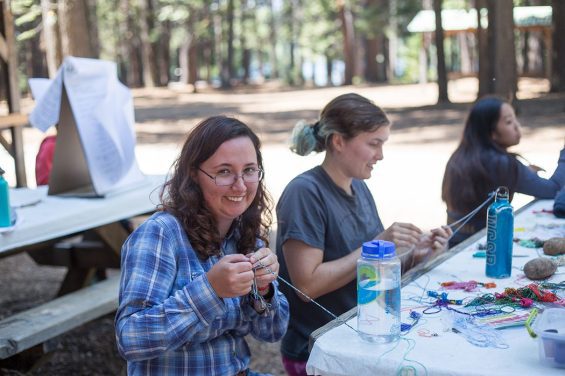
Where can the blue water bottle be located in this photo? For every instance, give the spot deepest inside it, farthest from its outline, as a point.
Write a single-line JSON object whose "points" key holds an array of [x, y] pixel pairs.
{"points": [[5, 219], [500, 232]]}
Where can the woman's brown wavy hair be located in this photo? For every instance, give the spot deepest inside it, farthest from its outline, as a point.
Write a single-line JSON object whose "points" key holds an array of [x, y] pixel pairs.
{"points": [[182, 196]]}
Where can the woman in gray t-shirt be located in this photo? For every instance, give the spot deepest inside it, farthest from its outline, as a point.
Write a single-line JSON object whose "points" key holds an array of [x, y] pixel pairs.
{"points": [[325, 214]]}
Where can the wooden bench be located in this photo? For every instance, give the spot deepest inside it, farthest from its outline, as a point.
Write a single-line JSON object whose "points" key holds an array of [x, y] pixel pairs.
{"points": [[39, 324], [15, 122]]}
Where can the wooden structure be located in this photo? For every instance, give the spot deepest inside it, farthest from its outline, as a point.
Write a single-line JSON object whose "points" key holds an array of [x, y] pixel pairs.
{"points": [[459, 24], [8, 68]]}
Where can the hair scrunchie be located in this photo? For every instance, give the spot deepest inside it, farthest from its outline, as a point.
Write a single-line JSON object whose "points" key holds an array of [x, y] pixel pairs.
{"points": [[316, 128]]}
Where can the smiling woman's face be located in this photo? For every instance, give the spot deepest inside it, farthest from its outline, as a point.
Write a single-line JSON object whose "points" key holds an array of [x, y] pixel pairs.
{"points": [[228, 202], [362, 152]]}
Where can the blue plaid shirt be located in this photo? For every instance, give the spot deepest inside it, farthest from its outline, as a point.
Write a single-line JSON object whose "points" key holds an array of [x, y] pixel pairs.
{"points": [[170, 321]]}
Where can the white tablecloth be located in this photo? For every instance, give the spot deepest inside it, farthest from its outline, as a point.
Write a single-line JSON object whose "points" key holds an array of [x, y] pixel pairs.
{"points": [[341, 352]]}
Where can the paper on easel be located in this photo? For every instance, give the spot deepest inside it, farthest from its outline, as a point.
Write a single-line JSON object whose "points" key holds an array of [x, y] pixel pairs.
{"points": [[101, 109]]}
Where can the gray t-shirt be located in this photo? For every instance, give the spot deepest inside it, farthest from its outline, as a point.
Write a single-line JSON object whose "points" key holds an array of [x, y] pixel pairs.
{"points": [[314, 210]]}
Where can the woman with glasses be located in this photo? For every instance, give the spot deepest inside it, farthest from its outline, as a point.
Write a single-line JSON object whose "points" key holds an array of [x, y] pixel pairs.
{"points": [[325, 214], [197, 276]]}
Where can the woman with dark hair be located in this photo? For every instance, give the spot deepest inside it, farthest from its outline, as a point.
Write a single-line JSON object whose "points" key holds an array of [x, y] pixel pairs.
{"points": [[197, 276], [482, 162], [325, 214]]}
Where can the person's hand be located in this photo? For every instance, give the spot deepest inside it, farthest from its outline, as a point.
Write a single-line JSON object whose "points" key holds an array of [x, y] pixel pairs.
{"points": [[231, 276], [434, 242], [535, 168], [264, 262], [438, 238], [403, 235]]}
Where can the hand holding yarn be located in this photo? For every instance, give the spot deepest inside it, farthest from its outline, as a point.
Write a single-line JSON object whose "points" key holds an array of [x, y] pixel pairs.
{"points": [[266, 265], [433, 242], [440, 238], [231, 276], [403, 235]]}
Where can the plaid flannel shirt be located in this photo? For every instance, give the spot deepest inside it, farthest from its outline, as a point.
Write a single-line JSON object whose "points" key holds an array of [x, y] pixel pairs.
{"points": [[170, 321]]}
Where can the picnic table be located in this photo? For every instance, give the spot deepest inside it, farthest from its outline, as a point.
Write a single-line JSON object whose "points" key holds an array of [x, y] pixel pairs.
{"points": [[431, 346], [45, 228]]}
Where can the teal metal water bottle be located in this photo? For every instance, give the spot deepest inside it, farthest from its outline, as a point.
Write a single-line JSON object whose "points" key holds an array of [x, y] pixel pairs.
{"points": [[5, 219], [500, 232]]}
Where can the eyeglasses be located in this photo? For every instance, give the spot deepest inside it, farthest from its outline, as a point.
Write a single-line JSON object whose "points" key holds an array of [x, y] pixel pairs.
{"points": [[249, 175]]}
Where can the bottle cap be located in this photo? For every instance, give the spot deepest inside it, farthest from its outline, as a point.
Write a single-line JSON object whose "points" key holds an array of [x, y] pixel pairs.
{"points": [[502, 193], [378, 249]]}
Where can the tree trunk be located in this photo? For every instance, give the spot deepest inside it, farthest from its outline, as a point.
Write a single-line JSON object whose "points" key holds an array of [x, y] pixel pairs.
{"points": [[163, 54], [218, 52], [441, 70], [329, 69], [228, 71], [92, 20], [273, 43], [35, 59], [371, 66], [76, 34], [482, 51], [346, 19], [183, 58], [9, 61], [123, 43], [466, 60], [502, 52], [188, 54], [423, 59], [131, 46], [392, 46], [245, 51], [525, 53], [382, 61], [558, 54], [193, 64], [147, 53], [291, 20], [51, 38]]}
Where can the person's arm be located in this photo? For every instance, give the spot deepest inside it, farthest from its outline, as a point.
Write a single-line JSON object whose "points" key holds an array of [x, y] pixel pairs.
{"points": [[311, 275], [531, 184]]}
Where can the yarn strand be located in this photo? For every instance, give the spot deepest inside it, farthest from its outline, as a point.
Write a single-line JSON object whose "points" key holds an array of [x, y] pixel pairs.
{"points": [[469, 215]]}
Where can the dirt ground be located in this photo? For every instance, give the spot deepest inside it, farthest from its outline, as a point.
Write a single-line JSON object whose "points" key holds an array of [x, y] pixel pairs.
{"points": [[424, 135]]}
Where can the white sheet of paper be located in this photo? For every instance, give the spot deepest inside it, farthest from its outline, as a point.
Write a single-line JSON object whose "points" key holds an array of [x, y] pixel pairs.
{"points": [[39, 87], [48, 102], [103, 111]]}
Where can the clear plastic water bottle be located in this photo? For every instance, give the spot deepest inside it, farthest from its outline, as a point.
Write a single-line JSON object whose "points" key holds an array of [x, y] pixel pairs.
{"points": [[378, 292], [500, 232], [5, 218]]}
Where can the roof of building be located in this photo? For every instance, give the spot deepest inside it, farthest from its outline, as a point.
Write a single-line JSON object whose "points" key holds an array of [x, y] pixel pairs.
{"points": [[460, 19]]}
